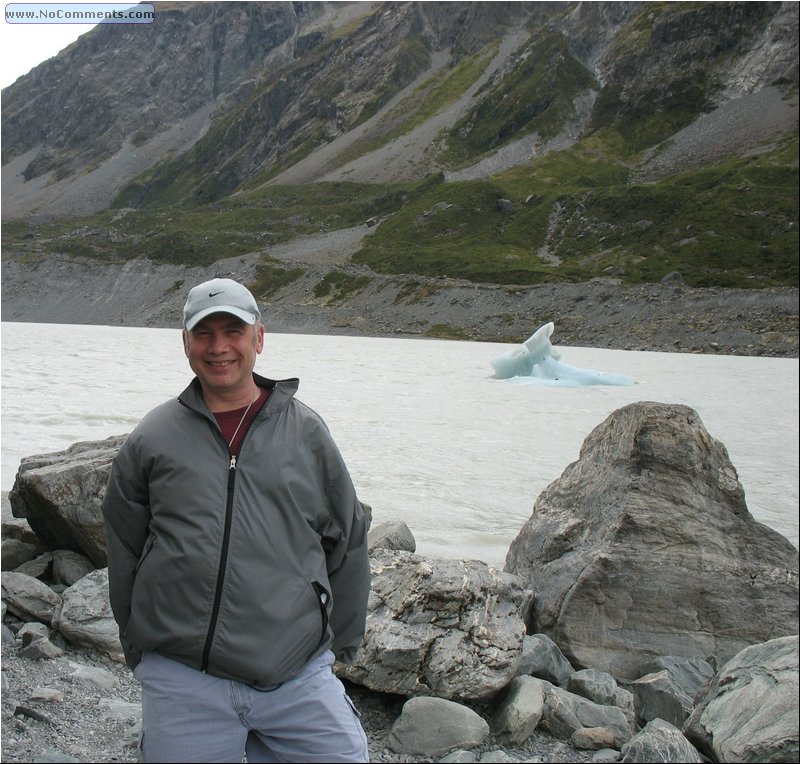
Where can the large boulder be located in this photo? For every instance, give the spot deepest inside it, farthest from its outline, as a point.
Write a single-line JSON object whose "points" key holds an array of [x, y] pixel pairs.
{"points": [[447, 628], [750, 711], [644, 547], [61, 495]]}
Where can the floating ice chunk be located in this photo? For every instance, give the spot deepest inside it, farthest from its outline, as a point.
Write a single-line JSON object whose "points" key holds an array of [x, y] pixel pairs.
{"points": [[536, 362]]}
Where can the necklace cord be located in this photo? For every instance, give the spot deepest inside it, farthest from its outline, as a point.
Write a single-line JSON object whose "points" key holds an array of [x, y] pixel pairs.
{"points": [[241, 421]]}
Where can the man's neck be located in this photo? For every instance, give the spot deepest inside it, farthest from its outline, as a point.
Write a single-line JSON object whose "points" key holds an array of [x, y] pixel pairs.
{"points": [[218, 401]]}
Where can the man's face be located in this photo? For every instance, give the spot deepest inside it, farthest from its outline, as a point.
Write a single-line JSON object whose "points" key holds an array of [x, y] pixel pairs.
{"points": [[222, 352]]}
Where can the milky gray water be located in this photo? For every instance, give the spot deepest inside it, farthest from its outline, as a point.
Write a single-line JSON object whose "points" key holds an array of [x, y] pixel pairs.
{"points": [[429, 437]]}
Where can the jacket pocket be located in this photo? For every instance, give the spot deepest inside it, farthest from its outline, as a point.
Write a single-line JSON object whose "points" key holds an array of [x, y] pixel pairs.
{"points": [[323, 598], [148, 546]]}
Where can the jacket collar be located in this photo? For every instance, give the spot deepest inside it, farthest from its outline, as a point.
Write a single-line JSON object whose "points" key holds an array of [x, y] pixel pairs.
{"points": [[281, 391]]}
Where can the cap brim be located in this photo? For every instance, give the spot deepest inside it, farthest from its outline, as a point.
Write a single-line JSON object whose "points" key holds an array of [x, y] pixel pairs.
{"points": [[245, 315]]}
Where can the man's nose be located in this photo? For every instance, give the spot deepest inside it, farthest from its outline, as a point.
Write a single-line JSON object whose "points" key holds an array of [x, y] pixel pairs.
{"points": [[219, 343]]}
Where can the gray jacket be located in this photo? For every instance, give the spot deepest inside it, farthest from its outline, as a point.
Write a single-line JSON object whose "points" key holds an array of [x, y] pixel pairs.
{"points": [[246, 570]]}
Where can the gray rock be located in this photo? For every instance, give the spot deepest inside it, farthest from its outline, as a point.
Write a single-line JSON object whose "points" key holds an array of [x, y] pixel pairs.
{"points": [[659, 741], [606, 756], [39, 567], [84, 616], [92, 676], [602, 688], [592, 738], [47, 694], [17, 528], [133, 736], [598, 686], [690, 673], [622, 549], [565, 713], [519, 712], [41, 649], [28, 597], [496, 756], [435, 726], [659, 696], [394, 535], [32, 630], [15, 552], [459, 757], [54, 757], [120, 710], [449, 628], [674, 278], [60, 494], [70, 567], [542, 658], [750, 712]]}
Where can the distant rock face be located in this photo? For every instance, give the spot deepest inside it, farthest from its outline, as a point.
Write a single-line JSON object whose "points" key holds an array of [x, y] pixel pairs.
{"points": [[645, 547], [284, 78], [185, 60], [61, 494]]}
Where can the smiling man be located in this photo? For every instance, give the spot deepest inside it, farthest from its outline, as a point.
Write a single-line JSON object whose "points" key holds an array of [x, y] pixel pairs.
{"points": [[237, 558]]}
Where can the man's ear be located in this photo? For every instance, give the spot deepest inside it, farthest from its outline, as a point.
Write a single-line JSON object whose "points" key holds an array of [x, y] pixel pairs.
{"points": [[185, 336], [260, 338]]}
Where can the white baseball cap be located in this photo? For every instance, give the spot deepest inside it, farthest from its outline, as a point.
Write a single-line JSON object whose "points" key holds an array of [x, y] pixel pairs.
{"points": [[220, 296]]}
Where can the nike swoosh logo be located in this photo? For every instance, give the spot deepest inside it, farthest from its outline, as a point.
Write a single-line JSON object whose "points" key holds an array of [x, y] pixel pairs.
{"points": [[213, 294]]}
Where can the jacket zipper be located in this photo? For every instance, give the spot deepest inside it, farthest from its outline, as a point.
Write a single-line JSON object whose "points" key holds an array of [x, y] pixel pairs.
{"points": [[222, 563]]}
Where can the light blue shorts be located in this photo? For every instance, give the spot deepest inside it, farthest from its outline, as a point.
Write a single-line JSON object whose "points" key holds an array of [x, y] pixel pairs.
{"points": [[188, 716]]}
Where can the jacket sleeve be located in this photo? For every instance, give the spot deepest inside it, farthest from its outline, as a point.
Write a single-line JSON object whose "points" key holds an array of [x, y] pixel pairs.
{"points": [[126, 511], [348, 568]]}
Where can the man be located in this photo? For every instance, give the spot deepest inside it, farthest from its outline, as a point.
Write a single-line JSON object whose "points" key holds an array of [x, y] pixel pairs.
{"points": [[237, 558]]}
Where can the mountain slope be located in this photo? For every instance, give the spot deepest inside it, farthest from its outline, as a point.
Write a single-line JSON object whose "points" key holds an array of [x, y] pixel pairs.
{"points": [[260, 90], [507, 143]]}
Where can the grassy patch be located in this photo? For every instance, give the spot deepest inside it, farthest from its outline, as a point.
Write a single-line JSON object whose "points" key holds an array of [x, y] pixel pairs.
{"points": [[271, 277], [447, 332], [339, 287]]}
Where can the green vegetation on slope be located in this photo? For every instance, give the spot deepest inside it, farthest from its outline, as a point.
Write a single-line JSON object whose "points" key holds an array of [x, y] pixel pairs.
{"points": [[573, 216], [535, 95], [570, 216]]}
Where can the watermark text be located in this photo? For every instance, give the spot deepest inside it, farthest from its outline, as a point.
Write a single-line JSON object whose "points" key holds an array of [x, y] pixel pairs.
{"points": [[80, 13]]}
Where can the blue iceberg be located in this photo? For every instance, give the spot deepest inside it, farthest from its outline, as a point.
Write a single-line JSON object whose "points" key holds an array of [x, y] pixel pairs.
{"points": [[536, 362]]}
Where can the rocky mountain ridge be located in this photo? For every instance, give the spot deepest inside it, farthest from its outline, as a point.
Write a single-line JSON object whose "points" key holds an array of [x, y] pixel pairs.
{"points": [[259, 79], [505, 146]]}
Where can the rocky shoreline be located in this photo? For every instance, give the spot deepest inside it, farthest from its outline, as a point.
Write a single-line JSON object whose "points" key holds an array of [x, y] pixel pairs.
{"points": [[603, 313], [460, 660]]}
